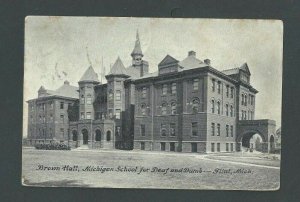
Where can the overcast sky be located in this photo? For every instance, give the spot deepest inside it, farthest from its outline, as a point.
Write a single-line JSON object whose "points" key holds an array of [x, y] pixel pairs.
{"points": [[55, 50]]}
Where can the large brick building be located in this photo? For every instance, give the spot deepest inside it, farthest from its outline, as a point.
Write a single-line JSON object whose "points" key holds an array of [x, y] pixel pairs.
{"points": [[186, 106]]}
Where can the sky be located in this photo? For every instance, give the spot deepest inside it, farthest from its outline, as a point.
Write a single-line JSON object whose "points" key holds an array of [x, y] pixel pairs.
{"points": [[62, 48]]}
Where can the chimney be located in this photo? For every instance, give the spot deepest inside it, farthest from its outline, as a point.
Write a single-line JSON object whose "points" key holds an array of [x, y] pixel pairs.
{"points": [[192, 53], [207, 61]]}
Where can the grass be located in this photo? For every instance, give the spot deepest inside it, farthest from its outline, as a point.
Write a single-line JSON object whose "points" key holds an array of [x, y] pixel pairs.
{"points": [[260, 178]]}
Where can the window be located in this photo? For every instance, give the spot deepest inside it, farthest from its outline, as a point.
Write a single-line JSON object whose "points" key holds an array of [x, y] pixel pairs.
{"points": [[231, 131], [32, 107], [231, 92], [245, 100], [219, 87], [212, 147], [164, 109], [118, 83], [196, 105], [51, 105], [50, 132], [218, 147], [212, 129], [144, 92], [231, 145], [82, 99], [218, 107], [173, 108], [173, 89], [62, 132], [108, 136], [227, 147], [62, 118], [242, 99], [172, 129], [163, 146], [249, 118], [227, 130], [44, 119], [196, 84], [163, 129], [118, 95], [194, 129], [89, 99], [118, 113], [143, 129], [212, 106], [172, 146], [226, 108], [142, 145], [218, 129], [164, 89], [61, 105], [143, 109], [110, 95], [88, 115], [231, 110], [213, 85], [227, 91], [82, 115], [98, 135]]}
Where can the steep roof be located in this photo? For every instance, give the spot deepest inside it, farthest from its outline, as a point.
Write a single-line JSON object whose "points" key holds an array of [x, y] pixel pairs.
{"points": [[89, 75], [191, 62], [118, 68], [67, 90], [137, 46], [168, 60], [231, 71]]}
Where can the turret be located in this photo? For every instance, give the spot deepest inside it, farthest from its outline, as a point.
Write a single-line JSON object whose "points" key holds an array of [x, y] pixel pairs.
{"points": [[87, 93]]}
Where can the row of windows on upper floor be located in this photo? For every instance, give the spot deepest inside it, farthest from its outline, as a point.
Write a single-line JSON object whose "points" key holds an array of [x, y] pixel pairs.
{"points": [[194, 129], [171, 88], [229, 89], [196, 105], [42, 106], [42, 118], [42, 132], [244, 115], [99, 115], [229, 109], [245, 101]]}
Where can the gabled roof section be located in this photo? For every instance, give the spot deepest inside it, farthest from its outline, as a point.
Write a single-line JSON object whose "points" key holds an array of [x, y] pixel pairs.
{"points": [[137, 46], [118, 68], [67, 90], [191, 62], [168, 60], [89, 76], [245, 68]]}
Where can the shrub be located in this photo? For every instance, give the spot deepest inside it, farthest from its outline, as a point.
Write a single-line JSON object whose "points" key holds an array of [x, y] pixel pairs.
{"points": [[52, 146]]}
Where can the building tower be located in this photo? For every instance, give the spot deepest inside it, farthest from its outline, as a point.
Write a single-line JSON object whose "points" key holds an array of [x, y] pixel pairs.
{"points": [[87, 94], [115, 89], [137, 57]]}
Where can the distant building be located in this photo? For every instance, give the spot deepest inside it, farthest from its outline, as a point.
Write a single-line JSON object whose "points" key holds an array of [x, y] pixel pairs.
{"points": [[186, 106]]}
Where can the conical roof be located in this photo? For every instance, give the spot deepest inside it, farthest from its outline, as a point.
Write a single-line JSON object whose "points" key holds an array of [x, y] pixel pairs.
{"points": [[89, 75], [137, 47], [118, 68]]}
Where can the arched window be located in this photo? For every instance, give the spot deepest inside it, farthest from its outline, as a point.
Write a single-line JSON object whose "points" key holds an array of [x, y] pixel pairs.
{"points": [[98, 135], [173, 108], [164, 109], [75, 136], [196, 104], [108, 136], [218, 107], [212, 106], [143, 109]]}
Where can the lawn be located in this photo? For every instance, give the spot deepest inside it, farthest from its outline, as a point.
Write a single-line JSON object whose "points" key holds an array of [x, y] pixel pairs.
{"points": [[121, 169]]}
